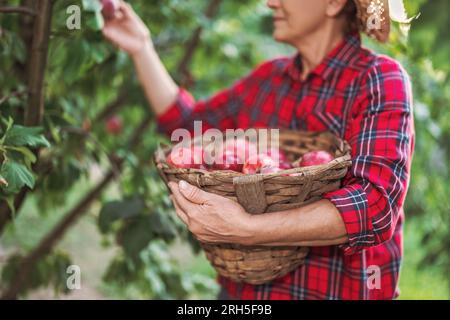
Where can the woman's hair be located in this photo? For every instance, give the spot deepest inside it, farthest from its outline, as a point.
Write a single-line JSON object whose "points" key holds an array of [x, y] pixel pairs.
{"points": [[350, 14]]}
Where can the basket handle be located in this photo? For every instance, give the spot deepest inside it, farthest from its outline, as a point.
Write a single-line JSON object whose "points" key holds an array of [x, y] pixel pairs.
{"points": [[304, 191], [250, 193]]}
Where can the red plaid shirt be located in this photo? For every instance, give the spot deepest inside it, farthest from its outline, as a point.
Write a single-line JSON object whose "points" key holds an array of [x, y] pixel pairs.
{"points": [[362, 97]]}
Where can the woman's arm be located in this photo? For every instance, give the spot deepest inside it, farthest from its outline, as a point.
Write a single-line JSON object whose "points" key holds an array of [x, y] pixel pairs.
{"points": [[316, 224], [129, 33], [159, 87], [365, 211], [174, 106]]}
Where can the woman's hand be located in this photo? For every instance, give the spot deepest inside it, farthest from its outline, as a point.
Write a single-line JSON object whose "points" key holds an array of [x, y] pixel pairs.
{"points": [[211, 218], [126, 30]]}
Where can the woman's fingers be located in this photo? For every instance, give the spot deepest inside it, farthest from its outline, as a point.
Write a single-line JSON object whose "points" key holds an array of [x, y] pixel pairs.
{"points": [[126, 9], [119, 15], [184, 204]]}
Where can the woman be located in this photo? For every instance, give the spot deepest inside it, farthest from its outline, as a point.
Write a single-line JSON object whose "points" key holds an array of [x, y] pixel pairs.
{"points": [[334, 84]]}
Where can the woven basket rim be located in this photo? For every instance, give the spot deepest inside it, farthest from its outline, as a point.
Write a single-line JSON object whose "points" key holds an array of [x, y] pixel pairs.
{"points": [[309, 171]]}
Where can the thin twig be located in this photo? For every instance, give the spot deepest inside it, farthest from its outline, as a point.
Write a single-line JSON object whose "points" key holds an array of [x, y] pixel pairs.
{"points": [[88, 136], [12, 95], [192, 44], [21, 10]]}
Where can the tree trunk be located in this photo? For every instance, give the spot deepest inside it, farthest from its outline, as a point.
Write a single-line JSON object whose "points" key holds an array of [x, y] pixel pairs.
{"points": [[37, 63], [35, 33]]}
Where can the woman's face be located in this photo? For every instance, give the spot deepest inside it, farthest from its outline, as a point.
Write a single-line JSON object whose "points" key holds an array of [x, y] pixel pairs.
{"points": [[293, 19]]}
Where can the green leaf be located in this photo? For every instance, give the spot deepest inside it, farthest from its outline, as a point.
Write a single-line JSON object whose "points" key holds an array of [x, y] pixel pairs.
{"points": [[161, 225], [94, 20], [92, 5], [25, 136], [29, 156], [17, 176], [116, 210], [10, 202], [136, 236], [51, 270], [99, 53], [155, 281], [9, 123]]}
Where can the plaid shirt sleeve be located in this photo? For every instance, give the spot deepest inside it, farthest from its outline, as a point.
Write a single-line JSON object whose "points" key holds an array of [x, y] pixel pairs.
{"points": [[381, 135], [216, 112]]}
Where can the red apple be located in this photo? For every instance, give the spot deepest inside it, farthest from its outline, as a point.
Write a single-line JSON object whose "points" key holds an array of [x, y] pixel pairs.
{"points": [[268, 170], [183, 157], [315, 158], [109, 8], [285, 165], [211, 156], [277, 155], [256, 162], [114, 125], [242, 148], [230, 162]]}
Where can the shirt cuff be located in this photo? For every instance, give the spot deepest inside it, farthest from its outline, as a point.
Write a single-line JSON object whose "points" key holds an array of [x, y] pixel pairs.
{"points": [[177, 113], [351, 202]]}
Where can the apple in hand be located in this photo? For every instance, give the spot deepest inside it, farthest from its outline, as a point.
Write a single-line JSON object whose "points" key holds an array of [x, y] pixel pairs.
{"points": [[109, 8], [114, 125], [184, 157], [315, 158]]}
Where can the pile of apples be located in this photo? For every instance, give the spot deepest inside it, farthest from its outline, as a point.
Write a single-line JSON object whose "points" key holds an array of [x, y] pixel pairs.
{"points": [[242, 156]]}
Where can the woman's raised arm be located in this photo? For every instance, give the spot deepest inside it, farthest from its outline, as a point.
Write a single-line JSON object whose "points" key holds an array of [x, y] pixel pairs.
{"points": [[128, 32]]}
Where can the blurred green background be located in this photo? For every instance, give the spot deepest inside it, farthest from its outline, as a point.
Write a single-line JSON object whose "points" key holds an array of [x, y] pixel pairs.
{"points": [[128, 242]]}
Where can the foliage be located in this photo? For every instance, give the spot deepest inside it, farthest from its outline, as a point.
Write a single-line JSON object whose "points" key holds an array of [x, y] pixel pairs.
{"points": [[426, 58], [17, 157], [49, 272]]}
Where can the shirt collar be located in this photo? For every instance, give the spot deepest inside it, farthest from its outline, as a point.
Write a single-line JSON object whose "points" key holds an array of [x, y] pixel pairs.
{"points": [[337, 59]]}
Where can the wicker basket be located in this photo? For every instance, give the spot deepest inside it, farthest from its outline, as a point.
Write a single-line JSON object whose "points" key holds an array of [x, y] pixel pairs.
{"points": [[262, 193]]}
